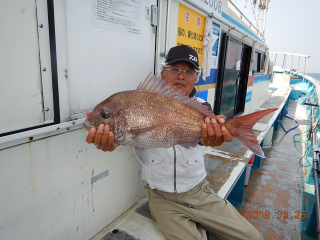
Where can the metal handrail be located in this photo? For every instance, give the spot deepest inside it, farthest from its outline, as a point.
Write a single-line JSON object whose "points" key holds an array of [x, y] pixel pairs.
{"points": [[295, 54], [284, 64], [242, 15]]}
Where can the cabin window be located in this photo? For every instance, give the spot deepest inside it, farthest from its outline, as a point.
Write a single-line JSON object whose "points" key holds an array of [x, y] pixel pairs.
{"points": [[232, 79], [262, 60], [233, 56], [256, 62], [259, 62]]}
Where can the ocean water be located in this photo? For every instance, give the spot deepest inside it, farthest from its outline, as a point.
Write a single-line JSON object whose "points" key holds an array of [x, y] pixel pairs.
{"points": [[315, 75]]}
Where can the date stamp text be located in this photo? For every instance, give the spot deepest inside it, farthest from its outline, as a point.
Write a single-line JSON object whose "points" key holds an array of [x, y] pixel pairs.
{"points": [[279, 215]]}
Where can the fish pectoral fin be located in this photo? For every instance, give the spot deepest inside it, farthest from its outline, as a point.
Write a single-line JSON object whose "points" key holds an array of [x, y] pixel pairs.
{"points": [[136, 131], [189, 145], [142, 155]]}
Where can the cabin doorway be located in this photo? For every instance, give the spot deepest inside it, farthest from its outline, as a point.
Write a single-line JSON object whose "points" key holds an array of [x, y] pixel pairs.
{"points": [[232, 79]]}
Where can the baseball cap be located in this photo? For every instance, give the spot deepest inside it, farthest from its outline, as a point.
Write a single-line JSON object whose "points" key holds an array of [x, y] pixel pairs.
{"points": [[183, 53]]}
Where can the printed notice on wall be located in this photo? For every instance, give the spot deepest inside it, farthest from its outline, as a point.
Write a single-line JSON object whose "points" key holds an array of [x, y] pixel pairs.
{"points": [[215, 47], [190, 29], [118, 15]]}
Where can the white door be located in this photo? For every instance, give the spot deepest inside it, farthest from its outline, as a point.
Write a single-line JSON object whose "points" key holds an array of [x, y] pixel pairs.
{"points": [[110, 48], [25, 71]]}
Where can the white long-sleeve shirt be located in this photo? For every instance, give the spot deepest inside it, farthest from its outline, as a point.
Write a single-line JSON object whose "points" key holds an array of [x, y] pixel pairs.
{"points": [[175, 169]]}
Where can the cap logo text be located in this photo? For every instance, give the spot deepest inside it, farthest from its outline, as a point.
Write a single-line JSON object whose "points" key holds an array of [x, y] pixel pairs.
{"points": [[193, 58]]}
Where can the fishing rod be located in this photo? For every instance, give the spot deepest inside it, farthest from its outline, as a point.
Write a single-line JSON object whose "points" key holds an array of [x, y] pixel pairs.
{"points": [[311, 104]]}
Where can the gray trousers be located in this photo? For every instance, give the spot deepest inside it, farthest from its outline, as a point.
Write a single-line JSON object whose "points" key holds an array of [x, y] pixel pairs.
{"points": [[190, 214]]}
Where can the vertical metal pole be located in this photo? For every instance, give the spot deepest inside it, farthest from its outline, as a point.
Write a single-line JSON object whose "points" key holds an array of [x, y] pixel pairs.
{"points": [[315, 177], [307, 65], [167, 28], [305, 60], [284, 61]]}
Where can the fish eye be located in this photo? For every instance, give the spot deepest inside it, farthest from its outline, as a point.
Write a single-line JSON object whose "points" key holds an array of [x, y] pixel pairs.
{"points": [[104, 113]]}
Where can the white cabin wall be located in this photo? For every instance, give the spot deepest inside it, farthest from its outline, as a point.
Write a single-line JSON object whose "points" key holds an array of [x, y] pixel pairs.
{"points": [[259, 95], [260, 89], [47, 190]]}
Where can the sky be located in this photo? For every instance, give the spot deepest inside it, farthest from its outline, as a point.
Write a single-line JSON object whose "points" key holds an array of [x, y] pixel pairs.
{"points": [[292, 26]]}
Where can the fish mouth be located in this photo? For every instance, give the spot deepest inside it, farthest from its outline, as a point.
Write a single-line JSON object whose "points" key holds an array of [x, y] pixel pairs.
{"points": [[86, 126]]}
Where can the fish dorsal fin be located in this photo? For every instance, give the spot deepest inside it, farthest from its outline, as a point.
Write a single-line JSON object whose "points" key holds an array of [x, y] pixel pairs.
{"points": [[156, 85]]}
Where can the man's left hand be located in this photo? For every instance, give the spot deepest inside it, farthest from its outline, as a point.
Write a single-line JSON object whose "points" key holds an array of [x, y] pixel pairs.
{"points": [[214, 134]]}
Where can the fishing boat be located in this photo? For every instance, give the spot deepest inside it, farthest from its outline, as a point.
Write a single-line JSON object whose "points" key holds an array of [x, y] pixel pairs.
{"points": [[60, 58]]}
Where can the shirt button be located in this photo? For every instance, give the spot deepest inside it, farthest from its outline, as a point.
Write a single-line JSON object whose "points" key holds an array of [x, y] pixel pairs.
{"points": [[196, 160], [152, 160]]}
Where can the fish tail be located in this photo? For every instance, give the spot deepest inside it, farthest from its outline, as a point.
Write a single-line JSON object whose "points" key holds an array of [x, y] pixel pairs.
{"points": [[241, 129]]}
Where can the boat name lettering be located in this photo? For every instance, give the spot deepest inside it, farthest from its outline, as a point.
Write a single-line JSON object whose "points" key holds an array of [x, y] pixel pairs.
{"points": [[215, 4]]}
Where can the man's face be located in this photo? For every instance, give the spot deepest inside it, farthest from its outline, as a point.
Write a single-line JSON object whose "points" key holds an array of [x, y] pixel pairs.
{"points": [[181, 82]]}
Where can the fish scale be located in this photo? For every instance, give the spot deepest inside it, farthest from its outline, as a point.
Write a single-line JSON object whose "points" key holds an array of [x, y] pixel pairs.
{"points": [[148, 114]]}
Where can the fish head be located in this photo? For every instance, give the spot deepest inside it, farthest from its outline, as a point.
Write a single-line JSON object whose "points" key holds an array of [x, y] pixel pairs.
{"points": [[99, 115], [110, 111]]}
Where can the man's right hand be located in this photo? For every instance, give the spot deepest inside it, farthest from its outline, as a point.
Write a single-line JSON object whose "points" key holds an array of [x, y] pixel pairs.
{"points": [[102, 137]]}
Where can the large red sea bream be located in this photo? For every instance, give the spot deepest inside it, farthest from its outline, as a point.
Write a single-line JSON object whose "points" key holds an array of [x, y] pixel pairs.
{"points": [[158, 116]]}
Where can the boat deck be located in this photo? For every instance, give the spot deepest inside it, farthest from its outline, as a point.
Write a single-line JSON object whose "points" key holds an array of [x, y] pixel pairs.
{"points": [[273, 199]]}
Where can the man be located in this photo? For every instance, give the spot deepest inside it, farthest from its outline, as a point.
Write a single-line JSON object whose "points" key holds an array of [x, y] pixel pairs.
{"points": [[181, 202]]}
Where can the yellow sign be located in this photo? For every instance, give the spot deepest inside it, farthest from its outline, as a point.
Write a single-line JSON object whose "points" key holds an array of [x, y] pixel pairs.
{"points": [[190, 29]]}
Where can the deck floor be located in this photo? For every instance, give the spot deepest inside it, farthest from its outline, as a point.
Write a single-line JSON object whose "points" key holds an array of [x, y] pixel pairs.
{"points": [[276, 186]]}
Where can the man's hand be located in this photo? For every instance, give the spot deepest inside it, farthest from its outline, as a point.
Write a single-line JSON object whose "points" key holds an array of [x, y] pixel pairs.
{"points": [[103, 138], [213, 134]]}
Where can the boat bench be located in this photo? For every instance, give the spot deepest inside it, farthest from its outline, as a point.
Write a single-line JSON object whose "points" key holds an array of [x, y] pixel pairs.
{"points": [[226, 168]]}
